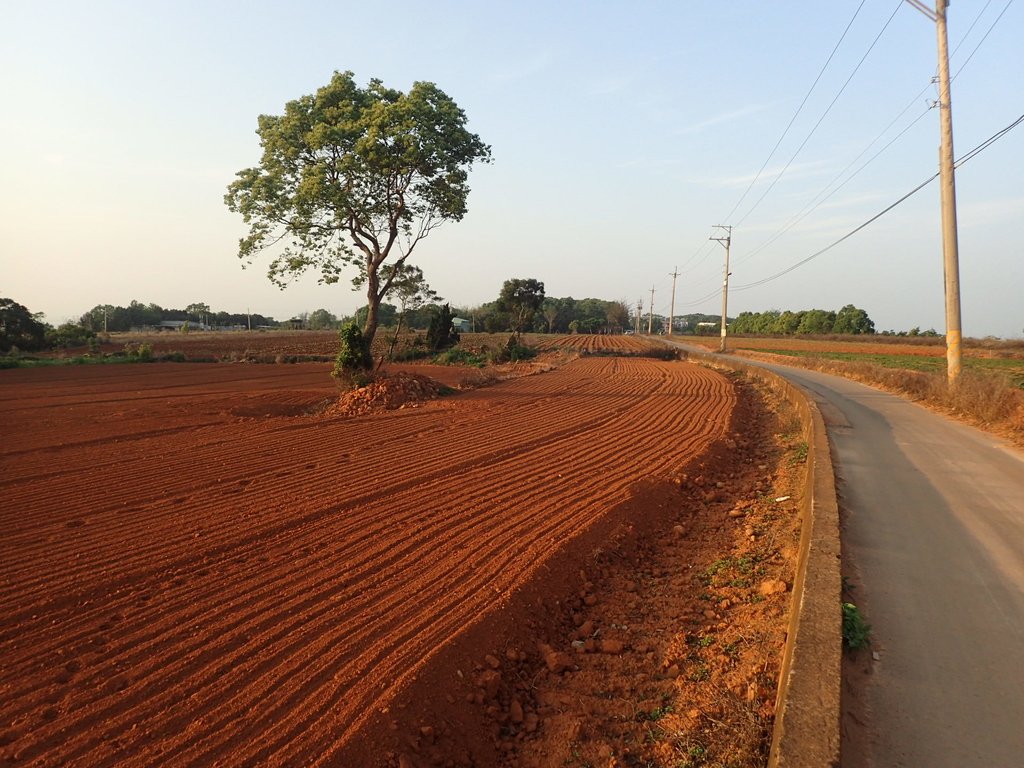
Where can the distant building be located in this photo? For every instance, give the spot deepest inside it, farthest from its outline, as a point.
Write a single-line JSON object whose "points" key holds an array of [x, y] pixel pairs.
{"points": [[462, 325], [177, 325]]}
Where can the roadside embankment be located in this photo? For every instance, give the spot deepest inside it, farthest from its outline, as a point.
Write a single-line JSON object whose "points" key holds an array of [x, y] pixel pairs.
{"points": [[807, 709]]}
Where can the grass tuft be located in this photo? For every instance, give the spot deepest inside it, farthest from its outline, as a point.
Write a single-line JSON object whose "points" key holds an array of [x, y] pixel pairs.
{"points": [[856, 632]]}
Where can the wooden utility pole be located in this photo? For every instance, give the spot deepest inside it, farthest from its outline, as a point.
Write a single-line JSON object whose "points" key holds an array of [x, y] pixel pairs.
{"points": [[672, 310], [727, 242]]}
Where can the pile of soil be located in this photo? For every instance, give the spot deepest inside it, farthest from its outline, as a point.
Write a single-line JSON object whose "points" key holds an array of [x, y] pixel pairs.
{"points": [[387, 393]]}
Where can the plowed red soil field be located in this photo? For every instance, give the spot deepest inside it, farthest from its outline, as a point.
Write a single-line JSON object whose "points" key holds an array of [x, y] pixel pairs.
{"points": [[199, 567], [597, 343]]}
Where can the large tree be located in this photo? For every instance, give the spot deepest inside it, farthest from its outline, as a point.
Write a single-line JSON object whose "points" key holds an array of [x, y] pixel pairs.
{"points": [[520, 299], [20, 328], [199, 309], [618, 315], [355, 176], [322, 319], [852, 320]]}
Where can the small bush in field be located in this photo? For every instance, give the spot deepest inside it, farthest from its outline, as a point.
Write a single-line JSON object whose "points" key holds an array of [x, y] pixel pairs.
{"points": [[142, 353], [458, 356], [512, 352], [354, 354]]}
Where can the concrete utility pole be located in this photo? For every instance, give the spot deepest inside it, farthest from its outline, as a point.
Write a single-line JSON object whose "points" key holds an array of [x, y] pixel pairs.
{"points": [[650, 315], [672, 310], [639, 313], [950, 247], [727, 242], [947, 186]]}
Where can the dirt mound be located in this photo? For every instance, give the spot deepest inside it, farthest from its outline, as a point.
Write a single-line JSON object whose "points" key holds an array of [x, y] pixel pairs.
{"points": [[387, 393]]}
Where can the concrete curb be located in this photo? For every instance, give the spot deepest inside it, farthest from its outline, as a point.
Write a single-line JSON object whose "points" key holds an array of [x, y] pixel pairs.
{"points": [[807, 709]]}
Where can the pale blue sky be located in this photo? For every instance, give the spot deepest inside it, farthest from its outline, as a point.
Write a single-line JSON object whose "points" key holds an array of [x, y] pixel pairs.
{"points": [[621, 133]]}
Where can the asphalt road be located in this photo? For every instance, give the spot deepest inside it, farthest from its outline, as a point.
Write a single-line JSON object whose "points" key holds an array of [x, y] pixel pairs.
{"points": [[933, 524]]}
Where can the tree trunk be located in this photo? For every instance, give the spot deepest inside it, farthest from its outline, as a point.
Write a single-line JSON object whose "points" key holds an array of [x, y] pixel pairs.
{"points": [[394, 339], [372, 306]]}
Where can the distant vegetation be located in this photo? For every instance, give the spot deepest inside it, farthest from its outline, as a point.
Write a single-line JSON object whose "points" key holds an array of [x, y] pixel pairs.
{"points": [[23, 330], [848, 321], [115, 319], [552, 315]]}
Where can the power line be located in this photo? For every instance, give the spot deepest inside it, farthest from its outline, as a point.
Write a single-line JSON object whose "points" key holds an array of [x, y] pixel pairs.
{"points": [[973, 24], [823, 115], [815, 201], [797, 113], [818, 200], [973, 153], [984, 37]]}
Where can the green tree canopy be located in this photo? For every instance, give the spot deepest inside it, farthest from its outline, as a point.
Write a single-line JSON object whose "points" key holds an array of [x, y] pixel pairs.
{"points": [[321, 320], [387, 315], [851, 320], [848, 320], [816, 321], [355, 176], [617, 315], [199, 310], [520, 299], [441, 334], [19, 327]]}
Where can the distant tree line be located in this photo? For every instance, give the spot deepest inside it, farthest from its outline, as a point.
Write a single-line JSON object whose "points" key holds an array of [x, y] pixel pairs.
{"points": [[26, 331], [847, 321], [551, 315], [108, 317]]}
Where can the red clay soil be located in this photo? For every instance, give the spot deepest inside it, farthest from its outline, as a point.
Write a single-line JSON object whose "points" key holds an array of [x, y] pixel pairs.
{"points": [[584, 342], [267, 346], [233, 345], [199, 566]]}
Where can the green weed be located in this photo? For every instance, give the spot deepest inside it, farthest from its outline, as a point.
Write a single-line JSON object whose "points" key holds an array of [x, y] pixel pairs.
{"points": [[856, 632]]}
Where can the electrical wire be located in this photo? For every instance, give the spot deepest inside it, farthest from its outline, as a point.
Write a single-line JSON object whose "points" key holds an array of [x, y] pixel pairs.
{"points": [[823, 116], [797, 113], [984, 37], [815, 201], [818, 200], [973, 153], [973, 24]]}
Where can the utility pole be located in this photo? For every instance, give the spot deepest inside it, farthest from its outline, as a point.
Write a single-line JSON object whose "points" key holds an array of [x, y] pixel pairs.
{"points": [[672, 310], [947, 187], [650, 315], [639, 313], [727, 242], [950, 247]]}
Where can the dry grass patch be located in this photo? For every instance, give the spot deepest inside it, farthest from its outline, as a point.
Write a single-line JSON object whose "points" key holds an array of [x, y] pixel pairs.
{"points": [[987, 400]]}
